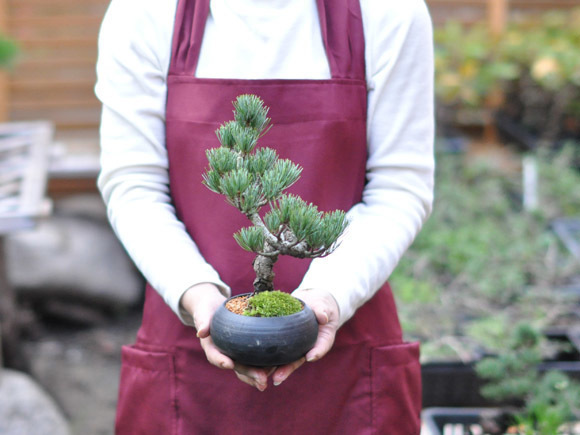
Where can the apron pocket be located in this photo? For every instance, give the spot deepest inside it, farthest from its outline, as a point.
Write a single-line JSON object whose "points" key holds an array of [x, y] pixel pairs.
{"points": [[396, 389], [147, 403]]}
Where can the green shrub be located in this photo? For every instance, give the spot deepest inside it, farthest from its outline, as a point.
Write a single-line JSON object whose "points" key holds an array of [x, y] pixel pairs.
{"points": [[549, 400], [481, 261]]}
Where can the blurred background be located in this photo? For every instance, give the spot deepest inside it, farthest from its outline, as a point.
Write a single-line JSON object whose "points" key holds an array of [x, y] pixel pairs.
{"points": [[494, 278]]}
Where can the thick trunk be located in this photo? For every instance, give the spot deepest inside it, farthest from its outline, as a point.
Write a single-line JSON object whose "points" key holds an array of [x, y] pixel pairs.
{"points": [[264, 274]]}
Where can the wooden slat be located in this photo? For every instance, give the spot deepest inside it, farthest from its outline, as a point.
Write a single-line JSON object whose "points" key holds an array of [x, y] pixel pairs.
{"points": [[548, 4], [55, 73], [91, 125], [497, 11], [52, 63], [48, 21], [56, 42], [472, 11], [18, 85], [74, 30], [62, 117], [55, 104], [58, 3], [58, 94], [20, 8], [63, 114], [56, 52], [4, 96]]}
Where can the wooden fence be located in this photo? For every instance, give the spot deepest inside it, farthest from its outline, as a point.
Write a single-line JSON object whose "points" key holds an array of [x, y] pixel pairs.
{"points": [[469, 11], [55, 74]]}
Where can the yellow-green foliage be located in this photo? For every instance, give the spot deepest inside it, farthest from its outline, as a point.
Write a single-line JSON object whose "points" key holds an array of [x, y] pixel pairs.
{"points": [[272, 304]]}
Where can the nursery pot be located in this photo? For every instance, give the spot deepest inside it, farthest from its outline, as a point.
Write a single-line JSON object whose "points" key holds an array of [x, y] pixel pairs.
{"points": [[264, 341]]}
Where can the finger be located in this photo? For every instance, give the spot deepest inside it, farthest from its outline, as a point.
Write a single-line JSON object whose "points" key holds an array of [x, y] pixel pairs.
{"points": [[202, 331], [250, 381], [202, 319], [214, 356], [322, 345], [321, 316], [256, 377], [283, 372], [322, 304]]}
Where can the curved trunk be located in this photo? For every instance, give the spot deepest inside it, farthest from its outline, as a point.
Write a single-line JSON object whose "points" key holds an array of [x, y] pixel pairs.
{"points": [[263, 266]]}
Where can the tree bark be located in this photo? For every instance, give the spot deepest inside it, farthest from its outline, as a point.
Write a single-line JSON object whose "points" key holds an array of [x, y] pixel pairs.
{"points": [[263, 266]]}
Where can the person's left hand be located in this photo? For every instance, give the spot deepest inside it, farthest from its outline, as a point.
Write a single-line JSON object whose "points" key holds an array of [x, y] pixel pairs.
{"points": [[326, 310]]}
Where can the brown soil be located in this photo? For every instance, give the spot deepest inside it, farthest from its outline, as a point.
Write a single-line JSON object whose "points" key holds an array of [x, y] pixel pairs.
{"points": [[238, 305]]}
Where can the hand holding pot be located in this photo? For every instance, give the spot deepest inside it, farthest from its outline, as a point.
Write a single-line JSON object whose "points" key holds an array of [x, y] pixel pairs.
{"points": [[326, 310], [201, 301]]}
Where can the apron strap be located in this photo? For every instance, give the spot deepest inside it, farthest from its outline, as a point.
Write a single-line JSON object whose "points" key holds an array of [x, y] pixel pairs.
{"points": [[188, 31], [340, 24], [343, 35]]}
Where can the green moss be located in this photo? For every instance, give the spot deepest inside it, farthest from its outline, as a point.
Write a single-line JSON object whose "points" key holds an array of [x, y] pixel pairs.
{"points": [[272, 304]]}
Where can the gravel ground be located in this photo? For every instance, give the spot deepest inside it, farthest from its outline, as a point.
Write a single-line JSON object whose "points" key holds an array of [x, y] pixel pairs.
{"points": [[79, 367]]}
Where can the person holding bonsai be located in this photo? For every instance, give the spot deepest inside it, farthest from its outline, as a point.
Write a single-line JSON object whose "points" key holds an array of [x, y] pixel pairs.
{"points": [[349, 84]]}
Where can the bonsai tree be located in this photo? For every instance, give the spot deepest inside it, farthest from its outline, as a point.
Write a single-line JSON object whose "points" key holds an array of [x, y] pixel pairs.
{"points": [[250, 178]]}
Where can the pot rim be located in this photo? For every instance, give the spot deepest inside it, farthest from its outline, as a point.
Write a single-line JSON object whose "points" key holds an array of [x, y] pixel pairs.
{"points": [[305, 309]]}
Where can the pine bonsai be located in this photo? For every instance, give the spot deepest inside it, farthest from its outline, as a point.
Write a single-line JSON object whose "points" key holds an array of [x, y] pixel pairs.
{"points": [[252, 177]]}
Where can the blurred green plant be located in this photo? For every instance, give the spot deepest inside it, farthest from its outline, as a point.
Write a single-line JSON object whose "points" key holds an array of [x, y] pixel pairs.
{"points": [[468, 66], [8, 51], [471, 64], [481, 262], [531, 72], [549, 400]]}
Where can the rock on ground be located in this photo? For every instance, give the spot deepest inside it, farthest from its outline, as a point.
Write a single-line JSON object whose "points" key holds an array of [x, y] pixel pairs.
{"points": [[73, 256], [25, 409]]}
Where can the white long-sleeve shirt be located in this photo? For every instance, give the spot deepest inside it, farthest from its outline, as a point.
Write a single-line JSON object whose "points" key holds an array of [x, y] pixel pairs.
{"points": [[266, 39]]}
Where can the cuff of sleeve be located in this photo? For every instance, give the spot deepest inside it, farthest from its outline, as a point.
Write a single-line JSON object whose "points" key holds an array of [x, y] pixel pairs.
{"points": [[342, 298], [174, 299]]}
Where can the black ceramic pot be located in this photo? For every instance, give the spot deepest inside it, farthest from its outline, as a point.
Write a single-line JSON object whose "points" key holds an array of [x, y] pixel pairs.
{"points": [[264, 341]]}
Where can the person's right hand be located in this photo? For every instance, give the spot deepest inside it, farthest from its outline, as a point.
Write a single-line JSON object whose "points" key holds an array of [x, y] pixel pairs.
{"points": [[201, 301]]}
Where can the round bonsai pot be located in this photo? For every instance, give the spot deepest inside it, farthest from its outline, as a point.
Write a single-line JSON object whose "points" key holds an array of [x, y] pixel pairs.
{"points": [[264, 341]]}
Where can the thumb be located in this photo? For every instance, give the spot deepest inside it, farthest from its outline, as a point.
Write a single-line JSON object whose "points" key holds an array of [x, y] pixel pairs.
{"points": [[203, 332], [321, 315], [202, 324]]}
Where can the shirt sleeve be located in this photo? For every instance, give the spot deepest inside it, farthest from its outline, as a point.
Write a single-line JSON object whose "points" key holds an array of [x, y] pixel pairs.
{"points": [[398, 195], [131, 84]]}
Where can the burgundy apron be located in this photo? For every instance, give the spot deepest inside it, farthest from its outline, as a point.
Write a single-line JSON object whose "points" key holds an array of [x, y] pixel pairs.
{"points": [[370, 381]]}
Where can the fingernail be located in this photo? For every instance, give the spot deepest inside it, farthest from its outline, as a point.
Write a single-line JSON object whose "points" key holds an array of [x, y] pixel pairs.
{"points": [[260, 387], [277, 380], [311, 358]]}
